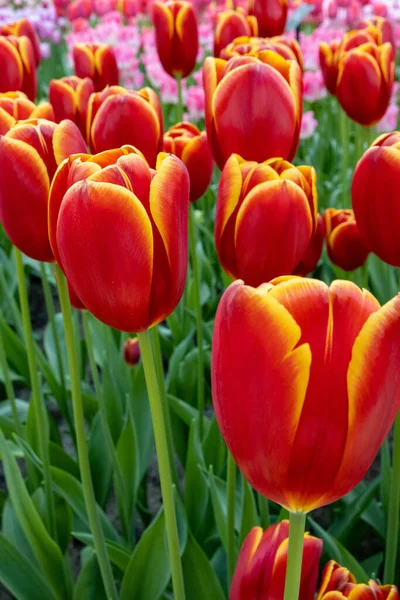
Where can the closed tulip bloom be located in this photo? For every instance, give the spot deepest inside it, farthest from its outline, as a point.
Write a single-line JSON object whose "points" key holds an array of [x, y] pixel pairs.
{"points": [[375, 197], [346, 248], [271, 16], [20, 75], [69, 97], [190, 145], [261, 565], [98, 62], [365, 82], [177, 38], [232, 24], [339, 583], [117, 117], [251, 46], [15, 106], [24, 27], [136, 279], [265, 217], [311, 256], [253, 106], [29, 154], [131, 351], [307, 401]]}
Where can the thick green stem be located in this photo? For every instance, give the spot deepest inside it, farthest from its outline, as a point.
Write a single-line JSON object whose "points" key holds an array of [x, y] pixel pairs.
{"points": [[295, 555], [179, 106], [230, 516], [83, 456], [199, 318], [164, 467], [392, 535], [9, 386], [41, 422], [344, 134], [264, 511]]}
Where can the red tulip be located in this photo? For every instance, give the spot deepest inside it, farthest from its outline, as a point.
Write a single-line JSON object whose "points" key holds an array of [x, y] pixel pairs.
{"points": [[252, 46], [70, 97], [15, 106], [375, 199], [129, 8], [265, 217], [305, 385], [232, 24], [20, 75], [338, 584], [311, 256], [24, 27], [177, 38], [132, 351], [117, 117], [29, 154], [98, 62], [381, 29], [190, 145], [261, 565], [346, 248], [80, 9], [135, 279], [271, 16], [240, 119]]}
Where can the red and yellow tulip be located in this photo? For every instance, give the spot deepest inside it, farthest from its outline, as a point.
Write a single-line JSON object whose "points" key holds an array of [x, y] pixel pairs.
{"points": [[251, 46], [117, 117], [177, 38], [375, 197], [240, 119], [69, 97], [311, 256], [15, 106], [346, 248], [338, 583], [24, 27], [305, 385], [190, 145], [261, 565], [20, 72], [136, 279], [271, 16], [98, 62], [232, 24], [29, 154], [266, 215]]}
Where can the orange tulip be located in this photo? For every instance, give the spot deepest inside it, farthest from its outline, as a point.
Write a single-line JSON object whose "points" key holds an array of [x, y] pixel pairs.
{"points": [[244, 121], [20, 75], [136, 279], [70, 97], [190, 145], [305, 385], [232, 24], [261, 565], [375, 198], [338, 584], [117, 117], [311, 256], [251, 46], [271, 16], [24, 27], [265, 217], [15, 106], [346, 248], [177, 38], [98, 62], [29, 154], [365, 82]]}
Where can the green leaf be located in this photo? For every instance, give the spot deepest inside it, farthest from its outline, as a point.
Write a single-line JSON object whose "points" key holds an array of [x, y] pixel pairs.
{"points": [[183, 410], [214, 448], [12, 530], [89, 585], [373, 564], [128, 460], [21, 577], [100, 461], [249, 512], [50, 345], [341, 528], [15, 350], [119, 556], [201, 581], [219, 503], [196, 489], [142, 420], [386, 476], [22, 409]]}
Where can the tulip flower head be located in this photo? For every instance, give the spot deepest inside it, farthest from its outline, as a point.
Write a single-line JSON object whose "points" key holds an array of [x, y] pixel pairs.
{"points": [[346, 248], [177, 38], [338, 583], [15, 106], [190, 145], [307, 401], [136, 279], [231, 25], [253, 106], [131, 351], [20, 28], [251, 46], [271, 16], [20, 75], [98, 62], [69, 97], [377, 178], [261, 565]]}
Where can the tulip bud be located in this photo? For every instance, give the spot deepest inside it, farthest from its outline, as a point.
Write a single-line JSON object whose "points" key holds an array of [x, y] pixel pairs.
{"points": [[190, 145], [232, 24], [377, 177], [177, 37], [346, 248], [69, 97], [98, 62], [131, 351], [20, 28], [20, 75], [117, 117], [340, 580], [261, 565], [252, 46], [271, 16], [15, 106]]}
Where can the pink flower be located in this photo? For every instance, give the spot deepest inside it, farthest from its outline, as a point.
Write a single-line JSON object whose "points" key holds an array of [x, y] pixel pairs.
{"points": [[195, 103], [314, 88], [308, 125], [389, 119]]}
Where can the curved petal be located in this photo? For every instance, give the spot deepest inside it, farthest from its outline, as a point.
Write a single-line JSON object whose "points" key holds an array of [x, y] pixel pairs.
{"points": [[199, 162], [83, 61], [247, 552], [63, 99], [11, 73], [67, 140]]}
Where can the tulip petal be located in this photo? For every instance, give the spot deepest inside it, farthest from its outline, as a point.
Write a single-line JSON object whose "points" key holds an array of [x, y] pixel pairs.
{"points": [[11, 74], [62, 98], [67, 140], [247, 552]]}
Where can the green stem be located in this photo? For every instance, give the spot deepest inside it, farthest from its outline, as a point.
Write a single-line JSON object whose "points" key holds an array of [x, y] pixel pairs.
{"points": [[16, 315], [295, 555], [9, 386], [392, 535], [230, 512], [344, 134], [359, 142], [199, 318], [83, 456], [41, 423], [164, 468], [264, 511], [179, 106]]}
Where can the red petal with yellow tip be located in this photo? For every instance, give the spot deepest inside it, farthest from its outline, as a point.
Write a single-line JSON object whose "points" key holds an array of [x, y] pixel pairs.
{"points": [[246, 555], [199, 162], [67, 140], [11, 74], [83, 61], [62, 98]]}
